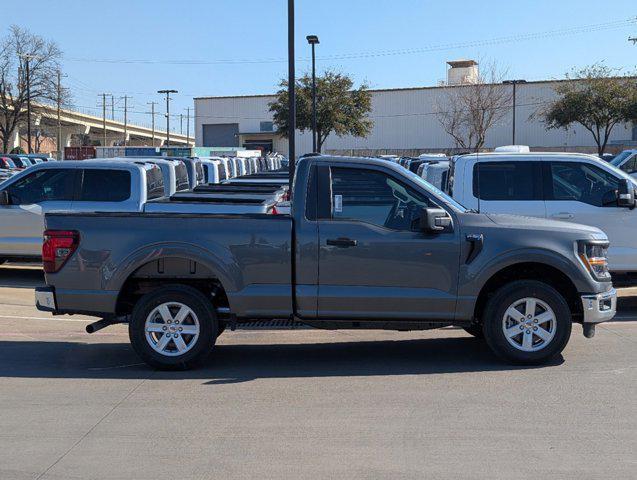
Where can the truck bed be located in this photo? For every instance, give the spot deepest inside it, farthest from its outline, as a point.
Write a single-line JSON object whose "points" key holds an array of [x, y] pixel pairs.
{"points": [[250, 254]]}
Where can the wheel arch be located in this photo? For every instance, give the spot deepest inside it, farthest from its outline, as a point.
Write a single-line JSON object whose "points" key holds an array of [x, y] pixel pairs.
{"points": [[158, 265], [531, 270]]}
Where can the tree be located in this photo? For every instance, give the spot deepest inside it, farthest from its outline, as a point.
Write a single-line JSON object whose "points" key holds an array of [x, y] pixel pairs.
{"points": [[471, 110], [341, 109], [596, 98], [43, 67]]}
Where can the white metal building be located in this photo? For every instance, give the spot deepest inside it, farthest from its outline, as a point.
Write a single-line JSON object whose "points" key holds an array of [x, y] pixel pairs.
{"points": [[405, 123]]}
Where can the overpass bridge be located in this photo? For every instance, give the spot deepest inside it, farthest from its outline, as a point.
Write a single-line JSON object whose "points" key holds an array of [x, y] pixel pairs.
{"points": [[104, 132]]}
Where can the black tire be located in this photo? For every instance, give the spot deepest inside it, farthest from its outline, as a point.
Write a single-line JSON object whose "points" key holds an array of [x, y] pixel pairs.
{"points": [[475, 330], [196, 302], [3, 260], [507, 296]]}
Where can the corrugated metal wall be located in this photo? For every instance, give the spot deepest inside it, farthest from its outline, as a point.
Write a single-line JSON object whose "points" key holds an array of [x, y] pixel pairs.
{"points": [[406, 120]]}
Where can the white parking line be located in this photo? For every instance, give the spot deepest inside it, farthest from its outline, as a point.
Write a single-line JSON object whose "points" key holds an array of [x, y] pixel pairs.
{"points": [[57, 319]]}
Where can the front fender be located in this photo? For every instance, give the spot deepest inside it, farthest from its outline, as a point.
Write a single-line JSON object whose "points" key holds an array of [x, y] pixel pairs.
{"points": [[475, 275]]}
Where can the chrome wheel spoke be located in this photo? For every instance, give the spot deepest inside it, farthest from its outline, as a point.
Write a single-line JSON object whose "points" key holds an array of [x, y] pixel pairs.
{"points": [[527, 340], [164, 312], [543, 334], [180, 344], [513, 331], [189, 329], [162, 343], [182, 314], [514, 313], [155, 327], [544, 317], [529, 309]]}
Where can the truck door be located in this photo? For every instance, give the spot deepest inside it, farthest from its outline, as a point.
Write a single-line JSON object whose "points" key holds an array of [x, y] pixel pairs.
{"points": [[374, 262], [30, 198], [582, 192]]}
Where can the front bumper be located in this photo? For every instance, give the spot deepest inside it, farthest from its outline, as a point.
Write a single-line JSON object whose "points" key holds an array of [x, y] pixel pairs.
{"points": [[45, 299], [600, 307]]}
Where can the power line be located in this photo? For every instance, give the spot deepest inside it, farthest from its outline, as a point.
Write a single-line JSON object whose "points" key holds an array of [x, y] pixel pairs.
{"points": [[577, 30]]}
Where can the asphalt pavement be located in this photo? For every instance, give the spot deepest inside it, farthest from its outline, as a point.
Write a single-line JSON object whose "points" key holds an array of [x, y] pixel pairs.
{"points": [[308, 404]]}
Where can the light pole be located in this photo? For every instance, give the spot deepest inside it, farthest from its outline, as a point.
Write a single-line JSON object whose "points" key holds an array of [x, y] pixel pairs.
{"points": [[167, 92], [515, 84], [291, 93], [313, 40]]}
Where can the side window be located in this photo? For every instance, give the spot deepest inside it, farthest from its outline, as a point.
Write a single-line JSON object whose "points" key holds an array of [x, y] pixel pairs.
{"points": [[582, 182], [373, 197], [42, 186], [105, 186], [512, 181], [181, 174]]}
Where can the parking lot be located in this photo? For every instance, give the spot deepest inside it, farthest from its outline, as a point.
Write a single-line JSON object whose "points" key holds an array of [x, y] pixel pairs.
{"points": [[308, 404]]}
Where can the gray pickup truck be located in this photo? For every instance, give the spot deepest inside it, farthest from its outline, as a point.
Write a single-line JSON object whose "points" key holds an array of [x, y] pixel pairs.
{"points": [[367, 245]]}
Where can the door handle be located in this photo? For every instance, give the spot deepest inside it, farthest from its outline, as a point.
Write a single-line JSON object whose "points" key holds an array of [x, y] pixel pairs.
{"points": [[562, 216], [342, 242]]}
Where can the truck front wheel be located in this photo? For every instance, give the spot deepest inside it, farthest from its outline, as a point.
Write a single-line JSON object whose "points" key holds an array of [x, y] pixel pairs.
{"points": [[173, 327], [527, 322]]}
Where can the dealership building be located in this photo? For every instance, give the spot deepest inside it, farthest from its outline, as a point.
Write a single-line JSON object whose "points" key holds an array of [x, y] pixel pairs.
{"points": [[405, 122]]}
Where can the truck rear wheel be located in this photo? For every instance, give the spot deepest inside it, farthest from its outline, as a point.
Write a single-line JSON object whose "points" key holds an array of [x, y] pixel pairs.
{"points": [[173, 328], [527, 322]]}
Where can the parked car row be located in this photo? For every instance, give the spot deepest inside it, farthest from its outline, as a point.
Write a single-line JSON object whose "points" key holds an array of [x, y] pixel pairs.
{"points": [[128, 184]]}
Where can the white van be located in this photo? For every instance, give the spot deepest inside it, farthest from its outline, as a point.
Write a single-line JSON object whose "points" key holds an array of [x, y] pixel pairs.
{"points": [[571, 187]]}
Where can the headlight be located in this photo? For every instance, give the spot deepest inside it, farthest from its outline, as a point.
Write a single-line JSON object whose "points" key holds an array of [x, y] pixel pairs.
{"points": [[594, 255]]}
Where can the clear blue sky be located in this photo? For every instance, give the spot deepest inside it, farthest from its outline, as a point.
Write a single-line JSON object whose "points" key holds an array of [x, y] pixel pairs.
{"points": [[256, 30]]}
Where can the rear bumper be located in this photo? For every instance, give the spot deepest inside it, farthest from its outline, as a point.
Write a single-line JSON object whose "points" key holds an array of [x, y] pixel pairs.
{"points": [[45, 299], [600, 307]]}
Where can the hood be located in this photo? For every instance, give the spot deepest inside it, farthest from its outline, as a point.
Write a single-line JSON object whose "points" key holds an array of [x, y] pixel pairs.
{"points": [[543, 224]]}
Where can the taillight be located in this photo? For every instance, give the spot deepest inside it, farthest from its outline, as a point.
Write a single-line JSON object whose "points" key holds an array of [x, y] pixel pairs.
{"points": [[274, 210], [57, 248]]}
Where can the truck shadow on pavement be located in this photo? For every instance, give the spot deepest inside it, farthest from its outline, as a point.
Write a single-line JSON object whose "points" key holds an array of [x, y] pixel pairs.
{"points": [[231, 364]]}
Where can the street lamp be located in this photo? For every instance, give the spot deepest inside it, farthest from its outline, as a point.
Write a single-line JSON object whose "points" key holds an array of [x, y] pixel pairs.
{"points": [[167, 92], [313, 40], [291, 93], [514, 83]]}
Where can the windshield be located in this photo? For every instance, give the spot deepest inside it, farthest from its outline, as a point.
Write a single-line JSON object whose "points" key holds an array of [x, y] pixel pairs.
{"points": [[617, 171], [617, 161], [435, 191]]}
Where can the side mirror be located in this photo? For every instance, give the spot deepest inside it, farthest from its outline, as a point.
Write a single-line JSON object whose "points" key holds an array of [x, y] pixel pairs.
{"points": [[434, 220], [4, 198], [626, 194]]}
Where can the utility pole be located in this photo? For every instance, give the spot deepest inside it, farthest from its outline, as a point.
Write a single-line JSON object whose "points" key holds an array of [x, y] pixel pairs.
{"points": [[188, 126], [291, 93], [181, 124], [59, 105], [104, 95], [112, 107], [515, 84], [125, 98], [167, 93], [27, 57], [152, 114]]}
